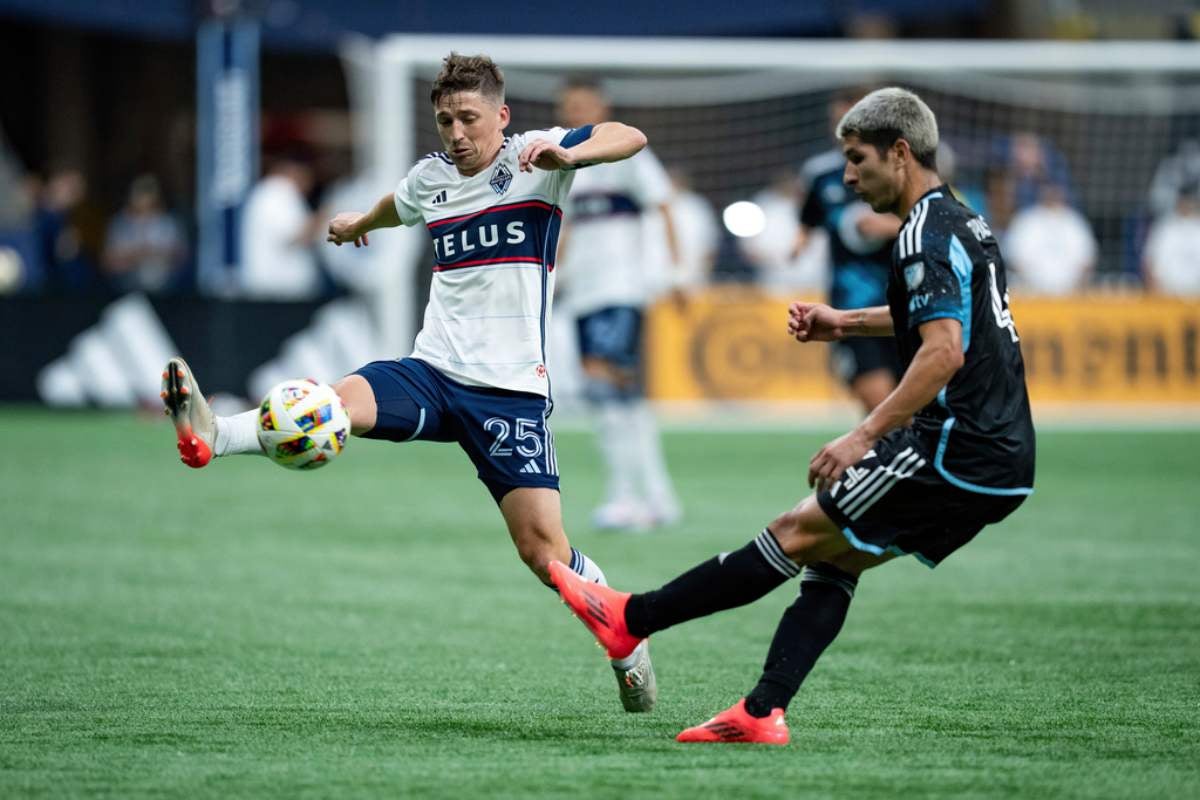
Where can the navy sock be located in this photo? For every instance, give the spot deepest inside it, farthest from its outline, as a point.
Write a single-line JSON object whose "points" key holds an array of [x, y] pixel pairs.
{"points": [[808, 626], [727, 581]]}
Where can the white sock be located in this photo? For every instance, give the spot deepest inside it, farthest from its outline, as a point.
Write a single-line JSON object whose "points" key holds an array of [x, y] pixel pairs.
{"points": [[237, 434], [587, 569], [650, 464], [613, 434], [631, 659]]}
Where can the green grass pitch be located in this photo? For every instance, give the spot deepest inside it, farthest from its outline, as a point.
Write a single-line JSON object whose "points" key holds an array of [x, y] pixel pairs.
{"points": [[368, 630]]}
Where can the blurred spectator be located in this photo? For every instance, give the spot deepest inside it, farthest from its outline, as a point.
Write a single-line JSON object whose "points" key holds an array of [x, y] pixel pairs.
{"points": [[279, 231], [697, 233], [1181, 168], [60, 222], [1172, 261], [947, 167], [1032, 163], [999, 201], [1050, 246], [782, 257], [20, 265], [144, 248]]}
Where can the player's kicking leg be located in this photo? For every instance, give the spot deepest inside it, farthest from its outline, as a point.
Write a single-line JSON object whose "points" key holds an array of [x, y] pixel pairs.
{"points": [[805, 535], [202, 435]]}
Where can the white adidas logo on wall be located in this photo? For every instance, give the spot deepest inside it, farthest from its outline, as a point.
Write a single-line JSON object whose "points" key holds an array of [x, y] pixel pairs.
{"points": [[116, 363], [341, 338]]}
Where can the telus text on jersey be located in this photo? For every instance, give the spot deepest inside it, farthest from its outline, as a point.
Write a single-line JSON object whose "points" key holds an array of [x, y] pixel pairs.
{"points": [[466, 240]]}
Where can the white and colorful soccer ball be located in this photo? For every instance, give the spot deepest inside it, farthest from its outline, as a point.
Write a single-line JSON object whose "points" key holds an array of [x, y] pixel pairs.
{"points": [[302, 424]]}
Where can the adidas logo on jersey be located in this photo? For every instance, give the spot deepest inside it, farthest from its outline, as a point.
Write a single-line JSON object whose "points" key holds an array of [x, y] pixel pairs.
{"points": [[530, 468], [440, 197]]}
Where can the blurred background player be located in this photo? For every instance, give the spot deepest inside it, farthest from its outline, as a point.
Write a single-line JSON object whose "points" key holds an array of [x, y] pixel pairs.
{"points": [[477, 374], [609, 284], [860, 245]]}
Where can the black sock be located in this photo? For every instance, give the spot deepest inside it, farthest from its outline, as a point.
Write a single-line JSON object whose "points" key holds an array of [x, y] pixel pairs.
{"points": [[807, 628], [727, 581]]}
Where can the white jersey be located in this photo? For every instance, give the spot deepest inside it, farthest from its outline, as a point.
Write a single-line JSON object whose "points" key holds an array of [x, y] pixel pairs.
{"points": [[604, 255], [495, 235]]}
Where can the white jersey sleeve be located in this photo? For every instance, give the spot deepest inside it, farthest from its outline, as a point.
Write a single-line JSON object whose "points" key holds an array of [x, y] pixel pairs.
{"points": [[405, 196]]}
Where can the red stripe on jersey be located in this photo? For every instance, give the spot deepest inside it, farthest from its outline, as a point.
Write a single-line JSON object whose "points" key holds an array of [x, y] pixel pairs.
{"points": [[486, 261], [509, 207]]}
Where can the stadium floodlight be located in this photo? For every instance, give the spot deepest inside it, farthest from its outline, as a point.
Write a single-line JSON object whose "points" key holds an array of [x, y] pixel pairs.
{"points": [[744, 219], [737, 114]]}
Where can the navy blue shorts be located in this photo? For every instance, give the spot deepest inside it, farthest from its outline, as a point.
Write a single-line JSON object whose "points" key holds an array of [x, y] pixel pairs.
{"points": [[858, 355], [505, 434], [613, 334]]}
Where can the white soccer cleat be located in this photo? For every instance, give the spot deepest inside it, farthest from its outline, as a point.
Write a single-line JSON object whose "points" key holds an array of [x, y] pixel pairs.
{"points": [[195, 426], [637, 686]]}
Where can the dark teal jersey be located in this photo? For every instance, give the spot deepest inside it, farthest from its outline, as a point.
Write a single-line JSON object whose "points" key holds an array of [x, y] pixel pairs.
{"points": [[858, 272], [946, 264]]}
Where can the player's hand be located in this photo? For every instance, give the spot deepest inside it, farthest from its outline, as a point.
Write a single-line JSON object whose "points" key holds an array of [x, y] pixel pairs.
{"points": [[814, 322], [544, 154], [347, 227], [827, 466]]}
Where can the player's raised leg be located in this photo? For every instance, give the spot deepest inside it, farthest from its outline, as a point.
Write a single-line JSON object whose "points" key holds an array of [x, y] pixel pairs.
{"points": [[534, 518], [202, 435]]}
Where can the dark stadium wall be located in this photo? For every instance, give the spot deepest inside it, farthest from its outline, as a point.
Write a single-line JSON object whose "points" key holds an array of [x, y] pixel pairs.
{"points": [[223, 341]]}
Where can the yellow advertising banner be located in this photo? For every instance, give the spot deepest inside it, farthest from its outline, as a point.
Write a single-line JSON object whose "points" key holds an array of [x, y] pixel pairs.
{"points": [[733, 345]]}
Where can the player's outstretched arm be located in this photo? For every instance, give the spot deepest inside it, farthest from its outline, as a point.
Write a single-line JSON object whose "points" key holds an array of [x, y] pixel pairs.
{"points": [[937, 359], [610, 141], [351, 226], [817, 322]]}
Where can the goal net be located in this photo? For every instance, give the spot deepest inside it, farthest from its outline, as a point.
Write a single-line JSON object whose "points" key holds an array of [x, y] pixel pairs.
{"points": [[1100, 121]]}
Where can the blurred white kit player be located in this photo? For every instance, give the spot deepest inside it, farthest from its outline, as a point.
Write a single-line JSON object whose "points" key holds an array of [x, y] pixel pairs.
{"points": [[608, 283], [697, 238]]}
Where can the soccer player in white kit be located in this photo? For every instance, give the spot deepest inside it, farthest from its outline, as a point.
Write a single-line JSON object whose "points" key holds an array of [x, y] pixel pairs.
{"points": [[477, 374], [609, 283]]}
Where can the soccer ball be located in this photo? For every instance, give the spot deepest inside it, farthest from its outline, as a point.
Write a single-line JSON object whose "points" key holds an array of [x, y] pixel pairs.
{"points": [[302, 424]]}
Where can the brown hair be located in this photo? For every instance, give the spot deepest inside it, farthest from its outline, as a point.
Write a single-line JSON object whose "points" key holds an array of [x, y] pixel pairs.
{"points": [[469, 74]]}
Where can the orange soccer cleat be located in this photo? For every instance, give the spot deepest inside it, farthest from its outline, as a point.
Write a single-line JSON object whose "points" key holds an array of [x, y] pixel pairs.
{"points": [[195, 427], [735, 724], [600, 608]]}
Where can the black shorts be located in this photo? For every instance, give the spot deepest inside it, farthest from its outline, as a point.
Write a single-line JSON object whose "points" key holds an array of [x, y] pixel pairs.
{"points": [[859, 355], [896, 500]]}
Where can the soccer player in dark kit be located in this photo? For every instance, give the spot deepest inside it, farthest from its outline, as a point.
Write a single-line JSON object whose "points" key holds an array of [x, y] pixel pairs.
{"points": [[890, 487]]}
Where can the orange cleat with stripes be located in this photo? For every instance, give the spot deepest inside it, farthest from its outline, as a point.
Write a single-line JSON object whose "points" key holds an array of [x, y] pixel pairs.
{"points": [[600, 608], [734, 725], [195, 427]]}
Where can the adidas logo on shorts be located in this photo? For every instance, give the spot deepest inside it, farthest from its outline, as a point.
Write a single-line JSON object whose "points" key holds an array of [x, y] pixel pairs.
{"points": [[530, 468]]}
